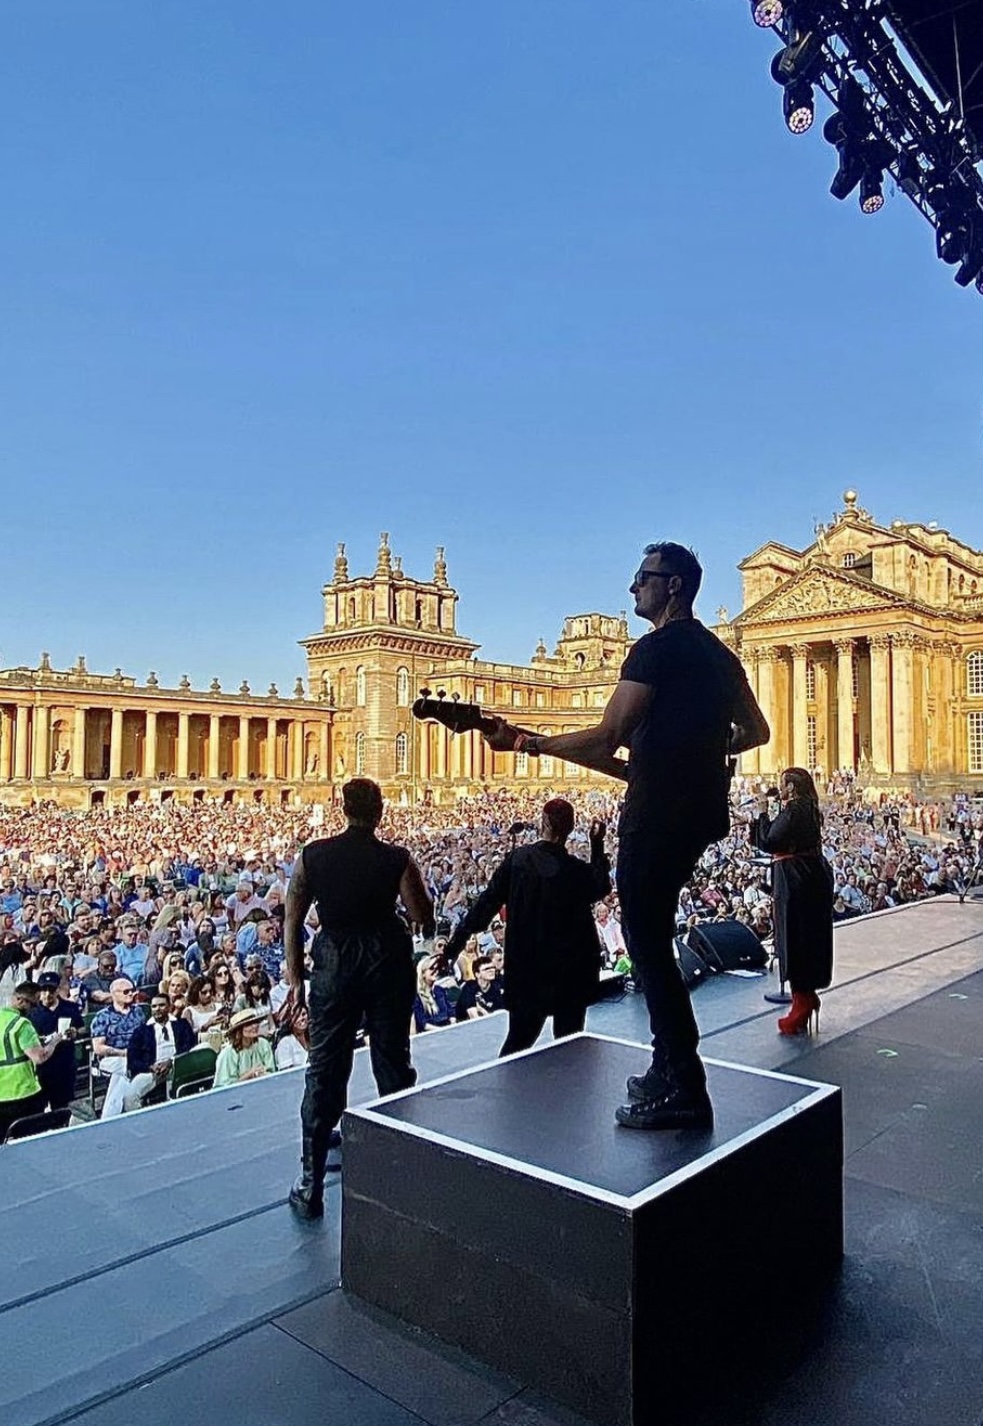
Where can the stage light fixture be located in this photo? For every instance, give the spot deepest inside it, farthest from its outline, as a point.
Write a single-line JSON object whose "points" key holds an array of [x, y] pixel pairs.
{"points": [[767, 13], [871, 194], [799, 106], [909, 173], [837, 131], [971, 267]]}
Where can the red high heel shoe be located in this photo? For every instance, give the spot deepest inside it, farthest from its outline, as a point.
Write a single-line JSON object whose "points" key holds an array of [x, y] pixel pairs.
{"points": [[805, 1003]]}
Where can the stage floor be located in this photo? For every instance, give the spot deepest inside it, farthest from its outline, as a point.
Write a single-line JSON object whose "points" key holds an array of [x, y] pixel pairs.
{"points": [[152, 1270]]}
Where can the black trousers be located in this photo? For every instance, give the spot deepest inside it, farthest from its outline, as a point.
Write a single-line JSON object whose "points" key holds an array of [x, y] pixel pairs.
{"points": [[526, 1026], [356, 974], [651, 872], [13, 1109]]}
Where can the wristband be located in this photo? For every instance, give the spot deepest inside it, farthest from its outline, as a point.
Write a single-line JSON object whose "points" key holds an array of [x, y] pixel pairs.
{"points": [[527, 743]]}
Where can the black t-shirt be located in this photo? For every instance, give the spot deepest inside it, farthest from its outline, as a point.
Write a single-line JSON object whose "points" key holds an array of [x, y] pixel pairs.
{"points": [[472, 995], [678, 776], [355, 880]]}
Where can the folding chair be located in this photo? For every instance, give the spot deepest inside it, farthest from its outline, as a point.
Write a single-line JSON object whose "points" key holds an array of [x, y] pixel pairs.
{"points": [[193, 1072]]}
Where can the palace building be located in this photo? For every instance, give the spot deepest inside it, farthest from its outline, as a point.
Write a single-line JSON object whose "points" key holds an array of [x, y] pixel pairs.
{"points": [[865, 651]]}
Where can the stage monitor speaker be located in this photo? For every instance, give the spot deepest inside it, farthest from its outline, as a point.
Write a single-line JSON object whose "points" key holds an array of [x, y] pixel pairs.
{"points": [[728, 945], [692, 967]]}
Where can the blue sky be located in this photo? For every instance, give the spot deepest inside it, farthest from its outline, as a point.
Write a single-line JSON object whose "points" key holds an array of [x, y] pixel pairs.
{"points": [[538, 280]]}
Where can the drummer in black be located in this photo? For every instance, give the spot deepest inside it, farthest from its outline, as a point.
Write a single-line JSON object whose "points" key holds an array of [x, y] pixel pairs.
{"points": [[363, 966]]}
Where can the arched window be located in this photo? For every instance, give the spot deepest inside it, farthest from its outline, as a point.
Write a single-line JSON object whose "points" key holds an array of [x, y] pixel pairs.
{"points": [[849, 560], [402, 753], [522, 764], [974, 674], [359, 754], [360, 686], [402, 687], [351, 610]]}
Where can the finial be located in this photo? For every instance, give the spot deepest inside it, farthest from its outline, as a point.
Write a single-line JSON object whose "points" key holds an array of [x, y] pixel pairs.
{"points": [[397, 564], [152, 680], [45, 662], [340, 564], [118, 675], [541, 648], [440, 567], [215, 686], [383, 558], [299, 688], [185, 682], [244, 687], [80, 666], [850, 499], [273, 691]]}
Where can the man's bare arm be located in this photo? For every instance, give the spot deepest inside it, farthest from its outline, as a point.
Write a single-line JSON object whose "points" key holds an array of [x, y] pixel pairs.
{"points": [[416, 898], [299, 899], [595, 747], [750, 727]]}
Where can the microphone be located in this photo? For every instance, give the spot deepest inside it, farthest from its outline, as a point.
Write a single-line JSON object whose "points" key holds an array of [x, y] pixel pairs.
{"points": [[518, 827]]}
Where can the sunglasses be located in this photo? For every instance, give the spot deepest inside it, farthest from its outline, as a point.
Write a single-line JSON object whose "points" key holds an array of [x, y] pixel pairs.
{"points": [[643, 576]]}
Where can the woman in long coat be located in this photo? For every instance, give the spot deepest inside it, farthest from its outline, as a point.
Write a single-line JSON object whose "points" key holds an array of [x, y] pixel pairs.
{"points": [[802, 892]]}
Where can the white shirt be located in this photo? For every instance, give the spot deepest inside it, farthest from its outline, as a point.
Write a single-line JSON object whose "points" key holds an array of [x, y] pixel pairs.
{"points": [[164, 1035], [290, 1054]]}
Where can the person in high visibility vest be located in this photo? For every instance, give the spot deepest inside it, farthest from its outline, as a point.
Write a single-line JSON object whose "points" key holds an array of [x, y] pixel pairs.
{"points": [[21, 1051]]}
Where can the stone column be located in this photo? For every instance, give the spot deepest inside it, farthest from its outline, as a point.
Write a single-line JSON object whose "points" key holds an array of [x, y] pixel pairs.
{"points": [[242, 755], [214, 743], [844, 703], [424, 745], [767, 755], [270, 749], [324, 754], [880, 702], [78, 743], [800, 709], [20, 741], [150, 745], [183, 729], [6, 744], [296, 745], [902, 700], [442, 736], [116, 743], [40, 757], [469, 738], [750, 762]]}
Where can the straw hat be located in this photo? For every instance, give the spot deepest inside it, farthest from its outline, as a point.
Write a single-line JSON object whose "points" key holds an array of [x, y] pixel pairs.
{"points": [[246, 1017]]}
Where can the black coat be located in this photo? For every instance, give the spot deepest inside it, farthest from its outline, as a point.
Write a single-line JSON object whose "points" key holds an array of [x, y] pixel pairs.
{"points": [[552, 949], [141, 1052], [802, 892]]}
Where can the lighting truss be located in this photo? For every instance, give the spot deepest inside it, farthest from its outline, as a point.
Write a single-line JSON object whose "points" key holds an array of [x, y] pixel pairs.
{"points": [[923, 143]]}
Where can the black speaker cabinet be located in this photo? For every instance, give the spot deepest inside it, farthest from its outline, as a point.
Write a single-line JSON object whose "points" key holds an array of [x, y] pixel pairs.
{"points": [[728, 945]]}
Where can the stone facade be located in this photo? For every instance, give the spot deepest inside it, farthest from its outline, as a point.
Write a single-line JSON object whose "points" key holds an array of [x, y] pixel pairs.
{"points": [[80, 738], [865, 651]]}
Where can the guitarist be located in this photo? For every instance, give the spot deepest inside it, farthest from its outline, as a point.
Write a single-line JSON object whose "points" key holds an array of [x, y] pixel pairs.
{"points": [[682, 708]]}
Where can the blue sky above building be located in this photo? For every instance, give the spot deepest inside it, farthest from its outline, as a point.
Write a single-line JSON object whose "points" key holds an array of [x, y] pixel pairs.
{"points": [[537, 282]]}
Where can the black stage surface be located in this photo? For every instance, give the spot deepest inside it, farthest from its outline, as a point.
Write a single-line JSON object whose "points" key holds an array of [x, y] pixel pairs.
{"points": [[152, 1272]]}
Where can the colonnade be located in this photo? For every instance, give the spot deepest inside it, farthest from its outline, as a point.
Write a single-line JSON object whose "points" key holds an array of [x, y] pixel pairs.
{"points": [[881, 702], [271, 746]]}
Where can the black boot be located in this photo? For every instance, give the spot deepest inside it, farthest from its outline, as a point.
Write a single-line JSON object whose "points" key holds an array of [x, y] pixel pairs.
{"points": [[667, 1098], [307, 1194]]}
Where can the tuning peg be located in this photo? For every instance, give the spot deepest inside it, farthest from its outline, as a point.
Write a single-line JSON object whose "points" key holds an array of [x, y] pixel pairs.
{"points": [[455, 698], [441, 692], [424, 692]]}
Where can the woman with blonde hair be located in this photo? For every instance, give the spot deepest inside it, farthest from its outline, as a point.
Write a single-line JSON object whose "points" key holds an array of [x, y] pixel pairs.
{"points": [[432, 1006]]}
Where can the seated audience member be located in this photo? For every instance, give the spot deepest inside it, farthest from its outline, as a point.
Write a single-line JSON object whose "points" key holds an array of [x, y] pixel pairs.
{"points": [[247, 1055], [131, 953], [20, 1092], [98, 983], [202, 1012], [48, 1016], [14, 962], [254, 994], [293, 1046], [225, 989], [432, 1006], [112, 1030], [478, 997], [464, 964], [152, 1049]]}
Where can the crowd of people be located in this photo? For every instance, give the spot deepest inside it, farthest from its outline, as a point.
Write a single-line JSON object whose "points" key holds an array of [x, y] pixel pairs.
{"points": [[176, 912]]}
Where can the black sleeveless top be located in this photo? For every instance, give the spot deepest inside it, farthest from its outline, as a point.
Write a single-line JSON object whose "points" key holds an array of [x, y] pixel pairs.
{"points": [[355, 880]]}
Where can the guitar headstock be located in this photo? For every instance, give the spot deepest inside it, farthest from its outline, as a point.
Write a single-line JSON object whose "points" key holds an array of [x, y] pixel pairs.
{"points": [[459, 717]]}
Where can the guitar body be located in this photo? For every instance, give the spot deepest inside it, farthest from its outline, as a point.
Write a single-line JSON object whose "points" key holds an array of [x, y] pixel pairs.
{"points": [[457, 716]]}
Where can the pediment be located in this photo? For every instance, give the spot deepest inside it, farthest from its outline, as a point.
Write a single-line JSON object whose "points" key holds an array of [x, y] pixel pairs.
{"points": [[817, 592]]}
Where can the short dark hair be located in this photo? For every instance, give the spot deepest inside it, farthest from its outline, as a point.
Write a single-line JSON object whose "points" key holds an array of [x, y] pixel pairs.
{"points": [[480, 962], [677, 559], [560, 815], [362, 800], [26, 988]]}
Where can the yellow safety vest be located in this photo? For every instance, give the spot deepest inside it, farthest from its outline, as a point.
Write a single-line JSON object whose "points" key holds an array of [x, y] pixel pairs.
{"points": [[17, 1077]]}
